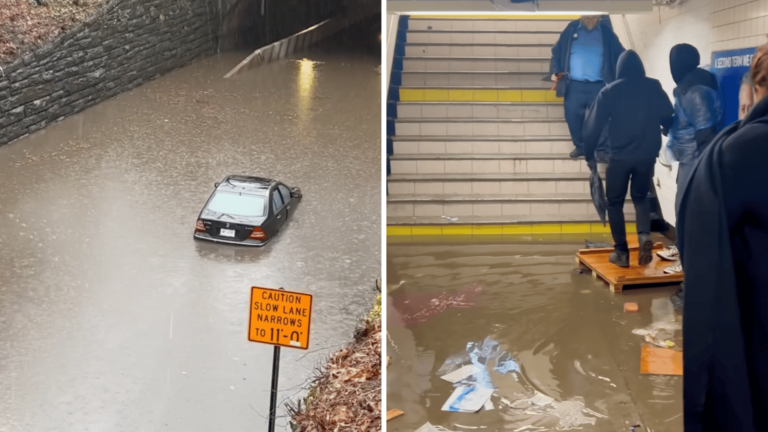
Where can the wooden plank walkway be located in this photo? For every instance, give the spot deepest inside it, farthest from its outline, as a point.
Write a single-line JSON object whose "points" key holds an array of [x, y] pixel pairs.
{"points": [[596, 260]]}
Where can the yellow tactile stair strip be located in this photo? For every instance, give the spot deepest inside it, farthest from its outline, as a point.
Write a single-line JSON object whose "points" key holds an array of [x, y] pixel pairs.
{"points": [[479, 95], [516, 229]]}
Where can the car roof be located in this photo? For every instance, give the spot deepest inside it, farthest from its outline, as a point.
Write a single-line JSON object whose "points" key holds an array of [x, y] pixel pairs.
{"points": [[258, 185]]}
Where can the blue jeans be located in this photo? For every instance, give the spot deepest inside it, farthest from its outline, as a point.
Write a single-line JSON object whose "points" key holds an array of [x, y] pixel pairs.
{"points": [[578, 97]]}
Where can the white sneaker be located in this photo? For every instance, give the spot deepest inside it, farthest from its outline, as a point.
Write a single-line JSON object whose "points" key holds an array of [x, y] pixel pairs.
{"points": [[674, 268], [670, 254]]}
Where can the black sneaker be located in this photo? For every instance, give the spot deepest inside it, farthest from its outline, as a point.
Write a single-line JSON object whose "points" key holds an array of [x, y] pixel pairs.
{"points": [[646, 250], [577, 153], [619, 258]]}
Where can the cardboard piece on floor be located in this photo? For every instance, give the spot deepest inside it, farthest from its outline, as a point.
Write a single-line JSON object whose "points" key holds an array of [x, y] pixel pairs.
{"points": [[463, 372], [394, 413], [467, 399], [660, 361], [631, 307]]}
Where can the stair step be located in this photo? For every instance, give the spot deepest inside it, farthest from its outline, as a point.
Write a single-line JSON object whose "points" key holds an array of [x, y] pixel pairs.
{"points": [[483, 156], [470, 78], [490, 177], [501, 220], [481, 37], [480, 127], [488, 184], [475, 120], [476, 63], [480, 110], [459, 24], [472, 198], [496, 208], [423, 138], [502, 164], [478, 50], [522, 93], [516, 148]]}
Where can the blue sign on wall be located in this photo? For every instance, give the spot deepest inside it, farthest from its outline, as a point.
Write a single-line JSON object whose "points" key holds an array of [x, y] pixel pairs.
{"points": [[729, 67]]}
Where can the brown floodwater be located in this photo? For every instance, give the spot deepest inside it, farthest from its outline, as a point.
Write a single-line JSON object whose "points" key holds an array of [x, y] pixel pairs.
{"points": [[568, 334], [112, 318]]}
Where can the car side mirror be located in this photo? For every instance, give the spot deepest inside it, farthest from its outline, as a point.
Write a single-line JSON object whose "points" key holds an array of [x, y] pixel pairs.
{"points": [[216, 184], [295, 192]]}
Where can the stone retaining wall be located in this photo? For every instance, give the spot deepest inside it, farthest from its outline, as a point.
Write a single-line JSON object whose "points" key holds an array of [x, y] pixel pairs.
{"points": [[127, 43]]}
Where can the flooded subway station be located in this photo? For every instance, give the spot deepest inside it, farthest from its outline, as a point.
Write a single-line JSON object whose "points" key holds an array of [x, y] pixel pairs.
{"points": [[554, 345], [111, 316]]}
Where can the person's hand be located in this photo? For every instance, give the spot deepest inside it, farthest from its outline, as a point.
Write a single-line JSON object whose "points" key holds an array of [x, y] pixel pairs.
{"points": [[554, 77]]}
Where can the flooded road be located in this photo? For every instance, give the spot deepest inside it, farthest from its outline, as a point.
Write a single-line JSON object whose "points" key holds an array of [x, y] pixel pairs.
{"points": [[566, 334], [112, 318]]}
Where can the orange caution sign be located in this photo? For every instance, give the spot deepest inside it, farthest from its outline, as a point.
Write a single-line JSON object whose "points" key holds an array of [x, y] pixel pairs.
{"points": [[280, 317]]}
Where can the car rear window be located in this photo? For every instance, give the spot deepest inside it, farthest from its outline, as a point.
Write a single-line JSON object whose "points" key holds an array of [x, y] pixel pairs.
{"points": [[237, 205]]}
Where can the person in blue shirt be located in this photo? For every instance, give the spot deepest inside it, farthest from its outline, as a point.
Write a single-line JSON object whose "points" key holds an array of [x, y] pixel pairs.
{"points": [[585, 56]]}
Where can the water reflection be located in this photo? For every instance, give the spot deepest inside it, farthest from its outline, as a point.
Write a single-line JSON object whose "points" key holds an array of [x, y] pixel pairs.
{"points": [[111, 316]]}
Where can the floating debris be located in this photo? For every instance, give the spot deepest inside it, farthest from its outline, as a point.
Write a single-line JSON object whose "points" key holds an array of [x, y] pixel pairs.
{"points": [[468, 399]]}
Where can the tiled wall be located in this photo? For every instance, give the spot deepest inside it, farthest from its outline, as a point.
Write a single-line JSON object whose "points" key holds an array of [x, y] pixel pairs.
{"points": [[738, 24], [709, 25]]}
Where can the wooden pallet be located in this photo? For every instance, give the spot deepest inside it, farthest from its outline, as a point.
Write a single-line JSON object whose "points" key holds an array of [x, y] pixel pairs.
{"points": [[596, 260]]}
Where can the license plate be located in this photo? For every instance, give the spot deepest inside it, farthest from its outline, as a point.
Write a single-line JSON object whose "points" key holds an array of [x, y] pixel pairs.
{"points": [[227, 232]]}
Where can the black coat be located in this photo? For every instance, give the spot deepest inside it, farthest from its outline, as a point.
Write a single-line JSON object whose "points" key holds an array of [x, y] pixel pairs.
{"points": [[612, 49], [723, 239], [633, 107]]}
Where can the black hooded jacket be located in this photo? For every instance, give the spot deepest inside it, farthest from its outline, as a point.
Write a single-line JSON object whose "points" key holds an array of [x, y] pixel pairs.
{"points": [[684, 62], [723, 233], [633, 107]]}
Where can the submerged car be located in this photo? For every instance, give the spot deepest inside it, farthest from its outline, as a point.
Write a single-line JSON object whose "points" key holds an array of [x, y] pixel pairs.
{"points": [[246, 210]]}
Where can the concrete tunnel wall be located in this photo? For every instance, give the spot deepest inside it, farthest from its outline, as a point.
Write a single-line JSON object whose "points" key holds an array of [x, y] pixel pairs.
{"points": [[130, 42], [244, 26]]}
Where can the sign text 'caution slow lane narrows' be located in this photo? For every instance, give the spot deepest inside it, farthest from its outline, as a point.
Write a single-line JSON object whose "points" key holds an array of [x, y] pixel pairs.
{"points": [[280, 317]]}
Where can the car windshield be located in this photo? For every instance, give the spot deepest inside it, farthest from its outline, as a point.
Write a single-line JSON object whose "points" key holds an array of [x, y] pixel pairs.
{"points": [[234, 204]]}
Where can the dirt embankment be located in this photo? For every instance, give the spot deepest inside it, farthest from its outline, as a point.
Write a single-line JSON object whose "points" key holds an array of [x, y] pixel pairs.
{"points": [[28, 24], [346, 393]]}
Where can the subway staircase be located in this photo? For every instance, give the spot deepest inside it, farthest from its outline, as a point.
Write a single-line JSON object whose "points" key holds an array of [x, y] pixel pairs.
{"points": [[477, 142]]}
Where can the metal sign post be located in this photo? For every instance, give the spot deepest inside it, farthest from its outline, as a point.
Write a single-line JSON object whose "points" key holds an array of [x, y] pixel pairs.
{"points": [[273, 396], [280, 318]]}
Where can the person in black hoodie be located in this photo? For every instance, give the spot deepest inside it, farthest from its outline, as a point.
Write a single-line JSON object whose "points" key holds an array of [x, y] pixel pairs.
{"points": [[634, 107], [698, 116], [722, 235]]}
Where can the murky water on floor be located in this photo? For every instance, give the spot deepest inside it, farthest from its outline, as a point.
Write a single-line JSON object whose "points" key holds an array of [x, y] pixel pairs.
{"points": [[112, 318], [568, 335]]}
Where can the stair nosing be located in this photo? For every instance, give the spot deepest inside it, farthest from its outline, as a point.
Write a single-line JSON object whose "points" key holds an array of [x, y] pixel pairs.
{"points": [[475, 120], [429, 199], [480, 156], [544, 86], [538, 104], [464, 58], [487, 31], [431, 72], [499, 220], [450, 44], [480, 138], [489, 177], [416, 18]]}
